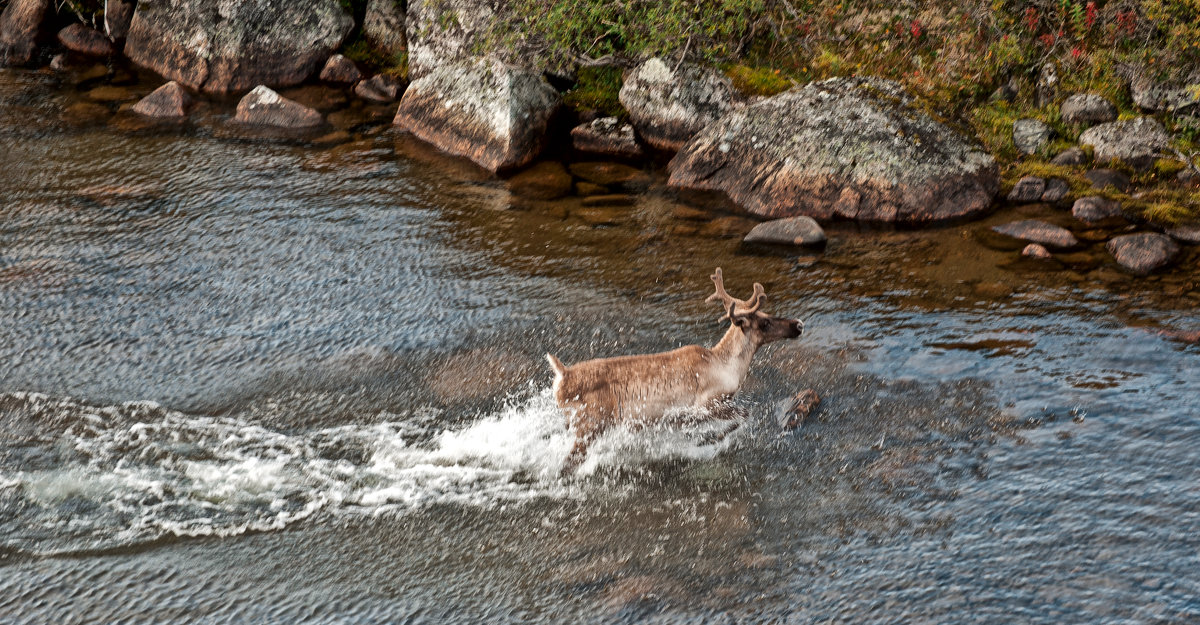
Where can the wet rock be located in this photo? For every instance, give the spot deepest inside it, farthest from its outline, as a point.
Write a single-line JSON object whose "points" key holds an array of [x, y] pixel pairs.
{"points": [[1088, 108], [1104, 177], [1031, 135], [608, 137], [1033, 250], [547, 180], [86, 114], [378, 88], [319, 97], [217, 46], [1036, 231], [1070, 156], [1027, 189], [584, 188], [117, 16], [168, 101], [613, 199], [1056, 190], [1144, 252], [793, 412], [727, 227], [1136, 142], [86, 41], [1046, 89], [1181, 336], [340, 69], [1094, 210], [20, 24], [608, 174], [111, 93], [494, 114], [264, 107], [856, 148], [59, 62], [799, 230], [383, 26], [600, 215], [669, 106], [1186, 233]]}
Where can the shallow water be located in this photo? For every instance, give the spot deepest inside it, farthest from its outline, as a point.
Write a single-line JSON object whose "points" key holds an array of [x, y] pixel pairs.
{"points": [[252, 381]]}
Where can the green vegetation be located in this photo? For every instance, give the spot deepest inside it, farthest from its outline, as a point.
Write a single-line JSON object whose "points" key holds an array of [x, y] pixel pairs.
{"points": [[597, 89], [377, 61]]}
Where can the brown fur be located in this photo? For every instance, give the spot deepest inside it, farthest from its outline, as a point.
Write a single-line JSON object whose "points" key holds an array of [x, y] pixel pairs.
{"points": [[641, 390]]}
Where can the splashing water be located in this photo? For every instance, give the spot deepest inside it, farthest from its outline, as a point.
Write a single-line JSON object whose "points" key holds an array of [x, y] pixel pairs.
{"points": [[127, 474]]}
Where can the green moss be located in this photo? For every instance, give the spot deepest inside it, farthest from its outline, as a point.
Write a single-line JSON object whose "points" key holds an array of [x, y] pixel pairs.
{"points": [[1073, 175], [597, 89], [761, 81], [377, 61]]}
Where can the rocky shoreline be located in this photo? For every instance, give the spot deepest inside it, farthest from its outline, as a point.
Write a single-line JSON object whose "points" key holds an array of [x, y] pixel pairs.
{"points": [[853, 148]]}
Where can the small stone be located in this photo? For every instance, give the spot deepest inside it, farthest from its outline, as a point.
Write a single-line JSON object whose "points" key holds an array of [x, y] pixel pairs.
{"points": [[264, 107], [1056, 190], [1088, 108], [378, 88], [1144, 252], [1031, 135], [599, 215], [606, 136], [340, 69], [800, 230], [1033, 250], [59, 62], [1095, 209], [84, 40], [793, 412], [168, 101], [617, 199], [1187, 233], [1037, 231], [1027, 189], [1070, 156], [1105, 177], [547, 180]]}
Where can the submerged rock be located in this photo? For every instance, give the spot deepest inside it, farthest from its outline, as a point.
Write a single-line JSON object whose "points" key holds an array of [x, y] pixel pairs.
{"points": [[1031, 135], [609, 174], [856, 148], [608, 137], [168, 101], [1088, 108], [1056, 190], [218, 46], [1094, 209], [1034, 250], [20, 24], [1144, 252], [86, 41], [545, 181], [1036, 231], [1027, 189], [489, 112], [1136, 142], [264, 107], [669, 106], [799, 230], [340, 69]]}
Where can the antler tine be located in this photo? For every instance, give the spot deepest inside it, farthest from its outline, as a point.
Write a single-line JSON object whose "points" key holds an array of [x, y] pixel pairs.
{"points": [[756, 301], [718, 279]]}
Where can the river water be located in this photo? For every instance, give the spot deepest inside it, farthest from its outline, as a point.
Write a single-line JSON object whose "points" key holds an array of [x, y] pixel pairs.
{"points": [[261, 381]]}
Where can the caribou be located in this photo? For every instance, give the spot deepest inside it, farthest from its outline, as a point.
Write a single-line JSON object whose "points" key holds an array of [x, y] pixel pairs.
{"points": [[646, 389]]}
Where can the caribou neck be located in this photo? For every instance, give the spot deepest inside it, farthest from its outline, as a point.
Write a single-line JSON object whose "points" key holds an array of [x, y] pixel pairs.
{"points": [[735, 350]]}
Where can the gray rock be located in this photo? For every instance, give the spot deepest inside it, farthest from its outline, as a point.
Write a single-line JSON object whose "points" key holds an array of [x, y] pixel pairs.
{"points": [[384, 25], [1036, 231], [799, 230], [20, 24], [1144, 252], [489, 112], [606, 136], [340, 69], [1046, 91], [1027, 189], [1187, 233], [1033, 250], [86, 41], [1094, 209], [1070, 156], [444, 32], [1056, 190], [857, 148], [1088, 108], [668, 107], [117, 16], [168, 101], [1158, 97], [220, 46], [59, 62], [264, 107], [1006, 92], [1031, 135], [1137, 142], [1104, 177], [378, 88]]}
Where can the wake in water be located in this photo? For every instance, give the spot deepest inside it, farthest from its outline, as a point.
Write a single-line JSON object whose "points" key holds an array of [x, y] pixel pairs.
{"points": [[120, 475]]}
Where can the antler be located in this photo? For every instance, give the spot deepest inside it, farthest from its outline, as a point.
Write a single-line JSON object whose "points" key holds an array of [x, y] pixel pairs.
{"points": [[732, 305]]}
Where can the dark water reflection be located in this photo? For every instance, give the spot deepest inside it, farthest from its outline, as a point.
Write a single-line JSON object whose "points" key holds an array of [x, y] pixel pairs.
{"points": [[259, 382]]}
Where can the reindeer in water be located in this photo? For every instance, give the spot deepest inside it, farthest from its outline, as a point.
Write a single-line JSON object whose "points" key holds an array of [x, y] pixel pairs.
{"points": [[641, 390]]}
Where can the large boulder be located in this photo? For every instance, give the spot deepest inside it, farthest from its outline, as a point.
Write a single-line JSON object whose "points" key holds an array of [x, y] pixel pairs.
{"points": [[1088, 108], [19, 26], [264, 107], [492, 113], [669, 106], [856, 148], [443, 32], [1153, 96], [1144, 252], [1136, 142], [117, 16], [383, 26], [221, 46]]}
